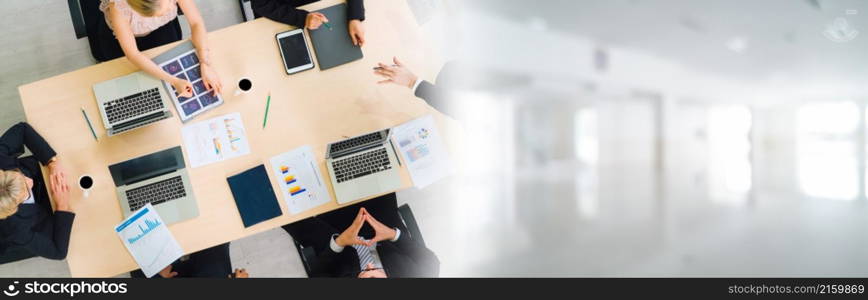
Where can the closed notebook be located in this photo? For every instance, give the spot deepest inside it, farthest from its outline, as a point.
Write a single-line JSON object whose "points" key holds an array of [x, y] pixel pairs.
{"points": [[333, 46], [254, 196]]}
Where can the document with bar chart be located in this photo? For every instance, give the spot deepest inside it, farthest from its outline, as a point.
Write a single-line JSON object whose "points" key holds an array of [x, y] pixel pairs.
{"points": [[149, 240], [214, 140], [300, 180]]}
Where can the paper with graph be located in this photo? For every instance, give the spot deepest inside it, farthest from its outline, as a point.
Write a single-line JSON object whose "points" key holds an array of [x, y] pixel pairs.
{"points": [[422, 151], [216, 139], [149, 240], [299, 179]]}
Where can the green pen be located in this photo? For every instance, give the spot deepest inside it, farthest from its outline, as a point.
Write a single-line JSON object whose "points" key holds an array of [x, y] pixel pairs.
{"points": [[86, 119], [267, 105], [327, 25]]}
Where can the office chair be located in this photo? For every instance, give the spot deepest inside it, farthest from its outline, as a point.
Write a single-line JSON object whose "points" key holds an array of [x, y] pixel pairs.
{"points": [[308, 255], [85, 15]]}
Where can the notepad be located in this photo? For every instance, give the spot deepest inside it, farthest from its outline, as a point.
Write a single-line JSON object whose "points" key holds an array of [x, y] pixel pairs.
{"points": [[254, 196], [333, 46]]}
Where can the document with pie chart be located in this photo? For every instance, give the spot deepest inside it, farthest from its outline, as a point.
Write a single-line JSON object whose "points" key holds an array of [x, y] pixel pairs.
{"points": [[422, 151], [300, 180]]}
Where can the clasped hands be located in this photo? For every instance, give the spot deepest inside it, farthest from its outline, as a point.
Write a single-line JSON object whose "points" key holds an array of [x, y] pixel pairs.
{"points": [[350, 236]]}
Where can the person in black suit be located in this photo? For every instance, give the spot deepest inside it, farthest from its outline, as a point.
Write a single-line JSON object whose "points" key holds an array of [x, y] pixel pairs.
{"points": [[285, 11], [369, 247], [213, 262], [434, 95], [26, 217]]}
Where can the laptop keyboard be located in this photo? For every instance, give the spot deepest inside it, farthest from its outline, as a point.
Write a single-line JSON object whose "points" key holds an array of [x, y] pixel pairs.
{"points": [[156, 193], [361, 165], [355, 142], [133, 105]]}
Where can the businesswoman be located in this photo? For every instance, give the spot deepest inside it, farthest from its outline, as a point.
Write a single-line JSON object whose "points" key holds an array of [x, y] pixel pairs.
{"points": [[26, 218], [133, 26]]}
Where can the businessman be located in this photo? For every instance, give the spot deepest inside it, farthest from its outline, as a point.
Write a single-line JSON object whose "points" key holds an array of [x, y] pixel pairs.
{"points": [[435, 95], [374, 243], [286, 12]]}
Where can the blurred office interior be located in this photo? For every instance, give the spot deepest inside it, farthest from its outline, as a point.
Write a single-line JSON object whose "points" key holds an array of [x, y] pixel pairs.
{"points": [[657, 138]]}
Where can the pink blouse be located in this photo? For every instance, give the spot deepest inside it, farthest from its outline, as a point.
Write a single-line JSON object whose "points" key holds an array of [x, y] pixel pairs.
{"points": [[140, 25]]}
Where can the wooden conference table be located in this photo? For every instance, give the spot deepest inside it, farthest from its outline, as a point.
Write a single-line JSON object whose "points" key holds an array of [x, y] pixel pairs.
{"points": [[309, 108]]}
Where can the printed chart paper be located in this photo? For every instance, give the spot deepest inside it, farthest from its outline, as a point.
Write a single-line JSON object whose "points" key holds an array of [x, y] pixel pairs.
{"points": [[149, 240], [215, 140], [299, 179], [422, 151]]}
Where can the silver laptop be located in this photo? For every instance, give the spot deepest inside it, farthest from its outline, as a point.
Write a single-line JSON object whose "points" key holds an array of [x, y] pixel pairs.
{"points": [[160, 179], [363, 166], [131, 102]]}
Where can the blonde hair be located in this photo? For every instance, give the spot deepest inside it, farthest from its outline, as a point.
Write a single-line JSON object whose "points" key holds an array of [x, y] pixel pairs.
{"points": [[11, 187], [145, 7]]}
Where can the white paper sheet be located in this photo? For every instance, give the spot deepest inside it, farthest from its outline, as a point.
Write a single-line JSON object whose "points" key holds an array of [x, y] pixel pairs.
{"points": [[149, 240], [215, 140], [299, 179], [422, 151]]}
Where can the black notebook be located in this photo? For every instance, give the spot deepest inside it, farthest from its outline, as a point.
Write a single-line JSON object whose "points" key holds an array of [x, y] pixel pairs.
{"points": [[254, 196], [333, 46]]}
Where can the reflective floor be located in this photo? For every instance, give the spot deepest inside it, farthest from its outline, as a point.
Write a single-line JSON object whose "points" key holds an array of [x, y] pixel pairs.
{"points": [[625, 214]]}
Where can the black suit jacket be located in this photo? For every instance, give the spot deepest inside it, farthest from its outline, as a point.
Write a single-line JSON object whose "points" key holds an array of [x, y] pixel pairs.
{"points": [[35, 227], [403, 258], [285, 11], [438, 96]]}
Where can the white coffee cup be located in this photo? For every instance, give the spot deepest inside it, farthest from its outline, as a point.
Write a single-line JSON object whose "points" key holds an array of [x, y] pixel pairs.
{"points": [[244, 86], [85, 183]]}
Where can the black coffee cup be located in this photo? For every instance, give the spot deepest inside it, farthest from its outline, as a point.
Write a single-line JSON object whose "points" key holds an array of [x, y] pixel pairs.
{"points": [[85, 182], [244, 86]]}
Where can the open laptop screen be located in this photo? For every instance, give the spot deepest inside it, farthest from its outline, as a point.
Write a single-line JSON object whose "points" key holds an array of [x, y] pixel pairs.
{"points": [[148, 166]]}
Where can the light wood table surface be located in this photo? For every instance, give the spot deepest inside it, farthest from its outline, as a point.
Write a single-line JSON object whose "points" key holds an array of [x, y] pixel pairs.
{"points": [[309, 108]]}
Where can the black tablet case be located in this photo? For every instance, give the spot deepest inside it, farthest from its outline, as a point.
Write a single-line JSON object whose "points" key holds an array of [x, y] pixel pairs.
{"points": [[254, 196], [333, 46]]}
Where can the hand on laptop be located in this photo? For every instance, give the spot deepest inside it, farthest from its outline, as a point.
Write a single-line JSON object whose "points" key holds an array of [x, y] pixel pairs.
{"points": [[350, 236], [183, 88], [314, 20], [396, 73], [357, 32]]}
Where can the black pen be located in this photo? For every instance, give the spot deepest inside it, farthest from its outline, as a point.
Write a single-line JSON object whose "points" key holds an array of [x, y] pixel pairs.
{"points": [[380, 68]]}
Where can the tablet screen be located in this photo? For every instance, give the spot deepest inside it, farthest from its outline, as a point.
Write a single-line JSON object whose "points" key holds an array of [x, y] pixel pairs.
{"points": [[294, 51]]}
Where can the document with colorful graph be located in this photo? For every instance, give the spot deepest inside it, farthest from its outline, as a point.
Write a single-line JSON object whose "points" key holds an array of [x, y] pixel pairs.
{"points": [[216, 139], [149, 240], [422, 151], [300, 180]]}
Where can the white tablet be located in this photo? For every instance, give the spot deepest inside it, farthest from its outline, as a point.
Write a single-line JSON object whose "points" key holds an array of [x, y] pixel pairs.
{"points": [[293, 50]]}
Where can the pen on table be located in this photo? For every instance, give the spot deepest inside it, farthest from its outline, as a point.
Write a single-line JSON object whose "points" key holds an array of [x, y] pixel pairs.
{"points": [[380, 68], [267, 105], [86, 119], [396, 151]]}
